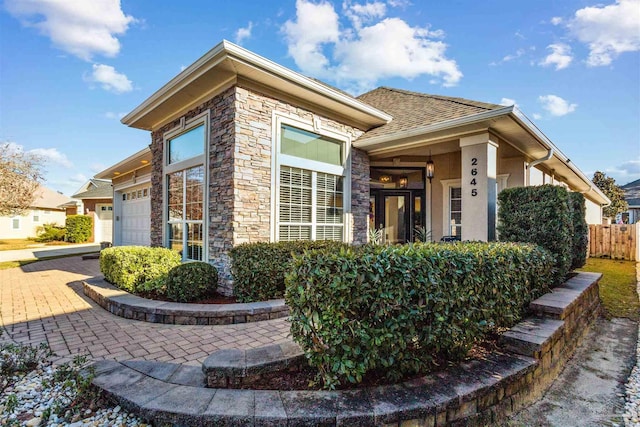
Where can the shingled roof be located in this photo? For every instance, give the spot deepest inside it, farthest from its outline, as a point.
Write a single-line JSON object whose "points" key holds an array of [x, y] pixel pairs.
{"points": [[632, 193], [412, 109], [96, 189], [49, 199]]}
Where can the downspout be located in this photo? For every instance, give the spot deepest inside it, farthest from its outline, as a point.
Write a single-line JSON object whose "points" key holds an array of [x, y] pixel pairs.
{"points": [[535, 163]]}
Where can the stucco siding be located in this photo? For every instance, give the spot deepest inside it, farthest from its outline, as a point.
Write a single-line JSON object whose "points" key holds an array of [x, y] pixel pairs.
{"points": [[27, 226]]}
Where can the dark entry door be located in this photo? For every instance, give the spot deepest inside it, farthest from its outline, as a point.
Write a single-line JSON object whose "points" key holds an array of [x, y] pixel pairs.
{"points": [[392, 215]]}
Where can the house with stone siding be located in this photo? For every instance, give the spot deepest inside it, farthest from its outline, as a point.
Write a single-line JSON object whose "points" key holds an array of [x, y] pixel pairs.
{"points": [[246, 150]]}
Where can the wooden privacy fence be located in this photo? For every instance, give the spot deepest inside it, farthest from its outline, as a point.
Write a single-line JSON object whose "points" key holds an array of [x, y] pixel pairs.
{"points": [[616, 241]]}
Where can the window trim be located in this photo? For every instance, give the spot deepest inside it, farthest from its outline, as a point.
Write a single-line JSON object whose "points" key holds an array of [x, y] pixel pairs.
{"points": [[278, 159], [13, 227], [447, 185], [185, 126]]}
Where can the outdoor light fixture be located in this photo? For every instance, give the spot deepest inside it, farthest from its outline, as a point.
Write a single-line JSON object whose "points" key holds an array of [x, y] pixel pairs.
{"points": [[430, 168], [403, 181], [385, 179]]}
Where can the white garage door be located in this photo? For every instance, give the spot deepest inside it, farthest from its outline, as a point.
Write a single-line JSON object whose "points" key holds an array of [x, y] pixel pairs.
{"points": [[136, 217]]}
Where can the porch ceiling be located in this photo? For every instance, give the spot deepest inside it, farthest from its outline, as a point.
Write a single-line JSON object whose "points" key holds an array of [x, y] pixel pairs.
{"points": [[509, 124]]}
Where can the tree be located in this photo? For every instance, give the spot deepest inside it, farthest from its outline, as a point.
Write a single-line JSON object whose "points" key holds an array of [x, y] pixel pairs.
{"points": [[20, 176], [616, 194]]}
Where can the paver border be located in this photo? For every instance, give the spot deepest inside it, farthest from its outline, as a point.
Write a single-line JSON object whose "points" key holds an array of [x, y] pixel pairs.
{"points": [[123, 304], [475, 393]]}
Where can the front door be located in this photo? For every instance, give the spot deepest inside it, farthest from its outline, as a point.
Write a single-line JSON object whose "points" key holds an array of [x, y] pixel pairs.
{"points": [[392, 215]]}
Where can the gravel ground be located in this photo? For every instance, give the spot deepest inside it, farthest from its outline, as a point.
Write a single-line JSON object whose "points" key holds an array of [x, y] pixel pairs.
{"points": [[632, 406], [31, 396]]}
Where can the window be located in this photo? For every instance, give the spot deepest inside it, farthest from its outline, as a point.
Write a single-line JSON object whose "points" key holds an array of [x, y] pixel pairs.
{"points": [[311, 186], [145, 193], [185, 207], [185, 184], [47, 212], [455, 211], [36, 216], [124, 196], [15, 223], [186, 145]]}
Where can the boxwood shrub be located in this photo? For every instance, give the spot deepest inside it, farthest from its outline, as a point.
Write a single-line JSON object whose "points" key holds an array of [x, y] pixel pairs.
{"points": [[580, 230], [191, 281], [399, 309], [128, 267], [78, 228], [540, 215], [259, 268]]}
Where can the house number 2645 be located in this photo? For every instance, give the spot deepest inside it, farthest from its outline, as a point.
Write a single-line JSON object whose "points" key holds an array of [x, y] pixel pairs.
{"points": [[474, 172]]}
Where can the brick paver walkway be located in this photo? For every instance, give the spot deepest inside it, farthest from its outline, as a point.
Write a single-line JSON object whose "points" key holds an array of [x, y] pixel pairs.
{"points": [[44, 302]]}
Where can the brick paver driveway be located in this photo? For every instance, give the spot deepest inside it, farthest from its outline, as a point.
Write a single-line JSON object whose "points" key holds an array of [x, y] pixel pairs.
{"points": [[44, 302]]}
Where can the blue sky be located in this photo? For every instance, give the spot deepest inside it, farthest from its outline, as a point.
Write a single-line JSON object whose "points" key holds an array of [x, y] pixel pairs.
{"points": [[70, 69]]}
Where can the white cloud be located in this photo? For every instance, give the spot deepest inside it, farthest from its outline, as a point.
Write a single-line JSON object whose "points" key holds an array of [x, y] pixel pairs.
{"points": [[360, 14], [556, 105], [510, 57], [556, 20], [508, 101], [537, 116], [114, 116], [626, 172], [371, 48], [608, 31], [52, 155], [244, 33], [560, 56], [80, 27], [399, 3], [110, 79]]}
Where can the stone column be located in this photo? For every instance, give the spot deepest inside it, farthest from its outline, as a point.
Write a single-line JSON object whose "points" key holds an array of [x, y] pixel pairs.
{"points": [[479, 165]]}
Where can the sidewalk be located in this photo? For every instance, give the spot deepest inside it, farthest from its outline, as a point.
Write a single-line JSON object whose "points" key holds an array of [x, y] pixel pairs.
{"points": [[48, 251]]}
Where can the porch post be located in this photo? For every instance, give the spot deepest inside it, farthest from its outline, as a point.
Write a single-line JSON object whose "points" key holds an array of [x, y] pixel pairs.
{"points": [[479, 166]]}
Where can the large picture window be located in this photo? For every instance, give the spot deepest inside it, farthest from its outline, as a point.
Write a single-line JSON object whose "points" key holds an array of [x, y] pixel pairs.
{"points": [[185, 184], [311, 186]]}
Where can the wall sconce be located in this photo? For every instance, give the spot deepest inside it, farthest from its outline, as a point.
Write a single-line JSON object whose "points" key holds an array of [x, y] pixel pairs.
{"points": [[385, 179], [403, 181]]}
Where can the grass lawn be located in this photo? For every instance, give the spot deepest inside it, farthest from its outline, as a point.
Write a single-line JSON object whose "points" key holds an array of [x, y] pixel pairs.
{"points": [[617, 287], [17, 244]]}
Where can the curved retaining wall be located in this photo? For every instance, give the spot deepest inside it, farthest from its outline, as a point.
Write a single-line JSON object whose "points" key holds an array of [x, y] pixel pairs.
{"points": [[129, 306], [477, 393]]}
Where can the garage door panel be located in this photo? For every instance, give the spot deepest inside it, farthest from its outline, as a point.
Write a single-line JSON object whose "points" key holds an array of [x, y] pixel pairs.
{"points": [[136, 220]]}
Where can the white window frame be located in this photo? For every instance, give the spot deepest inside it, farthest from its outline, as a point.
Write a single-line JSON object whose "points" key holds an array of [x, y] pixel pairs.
{"points": [[200, 160], [278, 159], [447, 185], [35, 215], [13, 227]]}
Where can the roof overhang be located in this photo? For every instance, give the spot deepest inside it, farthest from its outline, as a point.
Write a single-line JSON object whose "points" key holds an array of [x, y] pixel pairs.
{"points": [[134, 162], [225, 65], [508, 123]]}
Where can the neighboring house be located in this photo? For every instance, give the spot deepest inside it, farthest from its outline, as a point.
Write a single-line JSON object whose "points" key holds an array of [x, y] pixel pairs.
{"points": [[48, 207], [245, 150], [96, 197], [632, 196], [131, 180]]}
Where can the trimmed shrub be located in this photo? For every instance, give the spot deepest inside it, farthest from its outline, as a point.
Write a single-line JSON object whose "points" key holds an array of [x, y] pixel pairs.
{"points": [[191, 281], [78, 228], [398, 310], [580, 230], [539, 215], [259, 268], [129, 267], [50, 233]]}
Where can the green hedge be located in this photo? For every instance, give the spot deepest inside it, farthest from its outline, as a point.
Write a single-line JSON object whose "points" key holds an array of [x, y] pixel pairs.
{"points": [[398, 309], [50, 233], [580, 230], [78, 228], [259, 268], [539, 215], [129, 267], [191, 281]]}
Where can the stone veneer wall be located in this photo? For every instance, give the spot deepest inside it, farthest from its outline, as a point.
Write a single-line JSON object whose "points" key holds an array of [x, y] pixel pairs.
{"points": [[220, 163], [240, 172], [360, 195]]}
